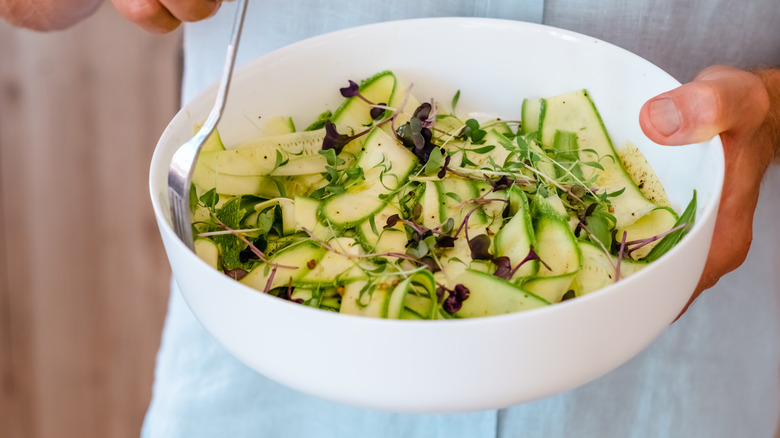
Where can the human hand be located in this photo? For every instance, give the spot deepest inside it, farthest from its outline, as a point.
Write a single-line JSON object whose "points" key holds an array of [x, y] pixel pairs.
{"points": [[735, 104], [162, 16]]}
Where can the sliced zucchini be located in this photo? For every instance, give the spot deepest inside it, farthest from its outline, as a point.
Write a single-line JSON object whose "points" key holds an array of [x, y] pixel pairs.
{"points": [[490, 295], [208, 251], [551, 288], [598, 269], [530, 115], [354, 114], [386, 165], [296, 260], [575, 112], [556, 247], [516, 238], [362, 298], [420, 284]]}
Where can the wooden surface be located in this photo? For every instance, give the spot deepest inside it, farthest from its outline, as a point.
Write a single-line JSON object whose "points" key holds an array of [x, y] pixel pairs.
{"points": [[83, 275]]}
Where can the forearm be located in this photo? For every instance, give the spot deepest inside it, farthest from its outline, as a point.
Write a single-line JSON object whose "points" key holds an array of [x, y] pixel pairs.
{"points": [[45, 15], [769, 133]]}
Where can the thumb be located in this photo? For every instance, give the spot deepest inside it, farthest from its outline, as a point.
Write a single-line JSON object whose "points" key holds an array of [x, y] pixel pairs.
{"points": [[719, 100]]}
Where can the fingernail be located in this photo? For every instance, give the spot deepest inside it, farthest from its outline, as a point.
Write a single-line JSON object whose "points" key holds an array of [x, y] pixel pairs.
{"points": [[664, 116]]}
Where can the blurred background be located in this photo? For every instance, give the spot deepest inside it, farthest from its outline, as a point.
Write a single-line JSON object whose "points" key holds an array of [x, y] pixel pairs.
{"points": [[83, 275]]}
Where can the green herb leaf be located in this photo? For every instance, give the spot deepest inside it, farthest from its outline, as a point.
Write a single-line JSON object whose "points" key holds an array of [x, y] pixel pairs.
{"points": [[320, 122], [210, 199], [330, 157], [474, 132], [616, 193], [454, 196], [594, 164], [280, 161], [688, 217], [482, 150], [455, 100], [280, 188], [265, 220], [435, 162], [600, 225], [372, 222]]}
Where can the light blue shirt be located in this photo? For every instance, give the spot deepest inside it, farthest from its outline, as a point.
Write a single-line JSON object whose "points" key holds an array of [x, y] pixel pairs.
{"points": [[714, 373]]}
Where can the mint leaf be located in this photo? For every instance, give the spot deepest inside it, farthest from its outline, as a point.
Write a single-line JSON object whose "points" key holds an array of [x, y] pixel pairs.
{"points": [[231, 214]]}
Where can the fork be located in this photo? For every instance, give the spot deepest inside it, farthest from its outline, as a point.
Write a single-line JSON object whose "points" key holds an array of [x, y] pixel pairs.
{"points": [[183, 161]]}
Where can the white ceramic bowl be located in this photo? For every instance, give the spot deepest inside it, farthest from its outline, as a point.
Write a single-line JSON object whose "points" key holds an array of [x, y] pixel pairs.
{"points": [[448, 365]]}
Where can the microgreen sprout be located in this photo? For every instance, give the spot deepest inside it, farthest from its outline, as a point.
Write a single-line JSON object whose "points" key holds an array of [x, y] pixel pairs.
{"points": [[455, 297], [635, 245], [353, 90], [416, 133], [504, 264]]}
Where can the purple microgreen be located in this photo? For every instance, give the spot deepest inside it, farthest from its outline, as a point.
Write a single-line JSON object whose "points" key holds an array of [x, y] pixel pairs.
{"points": [[270, 280], [445, 241], [430, 264], [352, 90], [426, 113], [480, 202], [377, 111], [440, 290], [416, 133], [500, 184], [479, 246], [455, 299], [392, 221], [621, 254], [446, 168], [688, 217], [290, 289], [236, 274], [247, 254], [443, 172], [333, 139], [532, 255], [589, 211], [634, 245], [503, 267]]}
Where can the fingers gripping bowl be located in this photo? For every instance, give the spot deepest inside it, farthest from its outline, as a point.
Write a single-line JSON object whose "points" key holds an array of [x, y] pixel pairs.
{"points": [[448, 365]]}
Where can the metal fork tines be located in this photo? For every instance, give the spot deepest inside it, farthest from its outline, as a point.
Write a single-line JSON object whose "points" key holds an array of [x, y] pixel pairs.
{"points": [[183, 161]]}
